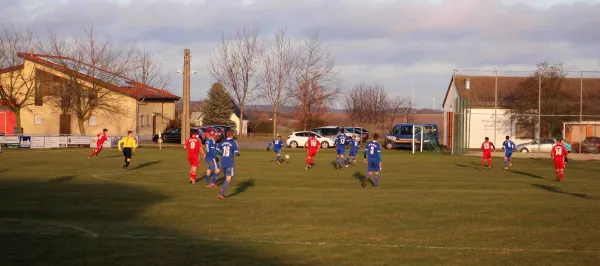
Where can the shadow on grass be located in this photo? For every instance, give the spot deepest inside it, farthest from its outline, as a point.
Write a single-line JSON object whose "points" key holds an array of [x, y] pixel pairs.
{"points": [[526, 174], [466, 166], [112, 156], [62, 179], [242, 187], [559, 191], [146, 164], [101, 222], [361, 178]]}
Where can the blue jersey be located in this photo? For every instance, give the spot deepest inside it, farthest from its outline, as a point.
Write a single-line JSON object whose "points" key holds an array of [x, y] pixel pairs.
{"points": [[354, 145], [373, 152], [341, 141], [228, 149], [508, 146], [211, 149], [277, 144]]}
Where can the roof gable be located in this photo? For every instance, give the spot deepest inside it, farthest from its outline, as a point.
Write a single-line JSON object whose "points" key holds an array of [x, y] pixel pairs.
{"points": [[111, 81]]}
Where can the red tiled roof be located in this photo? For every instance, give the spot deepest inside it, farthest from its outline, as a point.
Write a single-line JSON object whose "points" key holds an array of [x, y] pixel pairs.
{"points": [[132, 88], [11, 68]]}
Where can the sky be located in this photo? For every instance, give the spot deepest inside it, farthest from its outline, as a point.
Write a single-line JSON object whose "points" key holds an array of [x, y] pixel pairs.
{"points": [[404, 45]]}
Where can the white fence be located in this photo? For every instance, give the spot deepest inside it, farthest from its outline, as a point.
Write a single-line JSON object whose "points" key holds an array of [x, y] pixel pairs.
{"points": [[55, 141]]}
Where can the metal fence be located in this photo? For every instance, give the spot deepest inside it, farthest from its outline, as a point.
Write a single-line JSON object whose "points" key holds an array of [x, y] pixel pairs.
{"points": [[525, 105]]}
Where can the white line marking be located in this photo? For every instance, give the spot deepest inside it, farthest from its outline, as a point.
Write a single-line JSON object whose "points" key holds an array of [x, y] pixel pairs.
{"points": [[309, 243], [76, 228]]}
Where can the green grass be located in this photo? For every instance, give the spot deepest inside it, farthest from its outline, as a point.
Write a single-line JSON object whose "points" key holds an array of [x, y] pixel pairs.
{"points": [[59, 208]]}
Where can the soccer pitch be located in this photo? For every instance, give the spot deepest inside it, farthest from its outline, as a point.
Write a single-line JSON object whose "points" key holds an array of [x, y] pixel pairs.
{"points": [[57, 207]]}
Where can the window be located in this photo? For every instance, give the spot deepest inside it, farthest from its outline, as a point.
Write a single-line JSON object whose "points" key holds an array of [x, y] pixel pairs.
{"points": [[395, 131], [547, 141], [39, 94], [406, 130], [524, 130], [38, 119], [302, 134], [142, 120], [148, 120], [93, 121]]}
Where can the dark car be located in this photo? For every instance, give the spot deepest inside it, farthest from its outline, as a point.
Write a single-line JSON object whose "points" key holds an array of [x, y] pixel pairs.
{"points": [[174, 135], [588, 145], [359, 131]]}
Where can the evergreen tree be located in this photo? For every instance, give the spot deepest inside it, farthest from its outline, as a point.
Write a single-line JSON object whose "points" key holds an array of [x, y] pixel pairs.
{"points": [[218, 107]]}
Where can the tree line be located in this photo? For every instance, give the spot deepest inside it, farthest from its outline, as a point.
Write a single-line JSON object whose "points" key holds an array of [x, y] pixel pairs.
{"points": [[106, 61]]}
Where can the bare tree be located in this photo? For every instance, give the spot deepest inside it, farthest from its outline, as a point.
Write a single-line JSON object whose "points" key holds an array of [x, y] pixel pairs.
{"points": [[397, 106], [316, 82], [147, 70], [92, 66], [17, 84], [235, 65], [277, 73]]}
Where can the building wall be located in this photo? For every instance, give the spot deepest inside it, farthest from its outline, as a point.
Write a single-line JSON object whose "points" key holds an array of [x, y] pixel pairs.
{"points": [[233, 118], [163, 112], [482, 125], [448, 107]]}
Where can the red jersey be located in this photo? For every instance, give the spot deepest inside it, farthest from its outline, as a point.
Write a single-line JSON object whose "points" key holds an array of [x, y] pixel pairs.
{"points": [[193, 145], [559, 152], [101, 138], [487, 146], [313, 144]]}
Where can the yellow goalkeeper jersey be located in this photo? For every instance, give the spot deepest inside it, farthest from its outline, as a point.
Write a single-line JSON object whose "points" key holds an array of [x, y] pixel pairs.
{"points": [[127, 142]]}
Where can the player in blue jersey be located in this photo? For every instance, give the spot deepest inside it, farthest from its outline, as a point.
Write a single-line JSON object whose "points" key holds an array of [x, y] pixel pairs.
{"points": [[212, 161], [228, 148], [508, 147], [372, 157], [340, 147], [277, 145], [354, 144]]}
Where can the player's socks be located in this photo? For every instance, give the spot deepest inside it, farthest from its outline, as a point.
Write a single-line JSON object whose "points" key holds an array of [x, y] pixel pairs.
{"points": [[505, 164], [337, 161], [376, 183], [490, 163], [207, 178], [214, 178], [279, 158], [224, 188], [483, 162]]}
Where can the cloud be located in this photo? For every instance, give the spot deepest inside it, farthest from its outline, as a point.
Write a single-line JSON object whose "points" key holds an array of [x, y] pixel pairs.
{"points": [[399, 43]]}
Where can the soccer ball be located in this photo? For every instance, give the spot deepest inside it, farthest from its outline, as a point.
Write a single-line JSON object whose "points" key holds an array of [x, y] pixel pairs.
{"points": [[287, 156]]}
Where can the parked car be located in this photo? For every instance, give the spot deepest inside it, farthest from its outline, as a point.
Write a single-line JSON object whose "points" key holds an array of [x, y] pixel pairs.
{"points": [[588, 145], [359, 131], [299, 139], [331, 131], [538, 145], [174, 135]]}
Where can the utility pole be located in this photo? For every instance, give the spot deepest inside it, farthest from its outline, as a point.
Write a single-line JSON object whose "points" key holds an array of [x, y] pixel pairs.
{"points": [[185, 115], [433, 106]]}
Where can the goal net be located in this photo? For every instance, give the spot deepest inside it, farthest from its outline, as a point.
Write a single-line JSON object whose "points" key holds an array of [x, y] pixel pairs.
{"points": [[423, 138]]}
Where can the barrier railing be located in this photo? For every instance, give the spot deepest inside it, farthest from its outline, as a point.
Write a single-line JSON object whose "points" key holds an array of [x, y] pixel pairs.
{"points": [[56, 141]]}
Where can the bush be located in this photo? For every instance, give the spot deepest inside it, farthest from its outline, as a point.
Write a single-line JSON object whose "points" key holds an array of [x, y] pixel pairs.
{"points": [[260, 127]]}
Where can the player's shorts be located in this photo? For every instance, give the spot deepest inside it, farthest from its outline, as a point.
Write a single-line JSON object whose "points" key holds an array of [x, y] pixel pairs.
{"points": [[229, 171], [373, 166], [99, 145], [559, 164], [127, 152], [212, 164], [193, 160], [487, 155], [311, 153], [277, 151], [341, 151], [508, 155], [353, 153]]}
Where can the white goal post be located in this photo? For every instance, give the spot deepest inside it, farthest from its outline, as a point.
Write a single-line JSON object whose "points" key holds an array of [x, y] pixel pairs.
{"points": [[417, 138]]}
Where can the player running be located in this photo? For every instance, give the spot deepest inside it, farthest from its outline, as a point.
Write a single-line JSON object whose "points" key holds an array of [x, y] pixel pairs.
{"points": [[487, 147], [129, 144], [228, 149], [194, 145], [277, 144], [212, 161], [508, 147], [558, 153], [340, 147], [372, 157], [100, 139], [313, 145], [354, 144]]}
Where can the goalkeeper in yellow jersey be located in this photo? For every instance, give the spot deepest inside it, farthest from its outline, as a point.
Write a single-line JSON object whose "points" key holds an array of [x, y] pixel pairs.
{"points": [[128, 148]]}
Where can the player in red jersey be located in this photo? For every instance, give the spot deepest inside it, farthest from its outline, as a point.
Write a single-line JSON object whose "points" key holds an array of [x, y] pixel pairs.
{"points": [[313, 145], [558, 153], [194, 146], [487, 147], [100, 139]]}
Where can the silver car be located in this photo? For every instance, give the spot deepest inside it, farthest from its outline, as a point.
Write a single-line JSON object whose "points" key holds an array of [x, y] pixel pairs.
{"points": [[538, 145]]}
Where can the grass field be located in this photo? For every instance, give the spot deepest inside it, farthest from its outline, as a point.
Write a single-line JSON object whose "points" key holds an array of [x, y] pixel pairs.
{"points": [[59, 208]]}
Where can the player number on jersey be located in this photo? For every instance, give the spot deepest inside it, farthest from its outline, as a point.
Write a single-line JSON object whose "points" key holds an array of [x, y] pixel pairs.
{"points": [[486, 146], [372, 150], [313, 143], [558, 151], [192, 145], [226, 151]]}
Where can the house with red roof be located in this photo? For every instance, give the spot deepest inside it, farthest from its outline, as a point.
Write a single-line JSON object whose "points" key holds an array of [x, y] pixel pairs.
{"points": [[142, 109]]}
